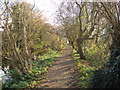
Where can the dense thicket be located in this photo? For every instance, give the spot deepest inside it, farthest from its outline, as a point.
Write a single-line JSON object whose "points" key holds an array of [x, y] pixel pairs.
{"points": [[108, 76], [26, 35]]}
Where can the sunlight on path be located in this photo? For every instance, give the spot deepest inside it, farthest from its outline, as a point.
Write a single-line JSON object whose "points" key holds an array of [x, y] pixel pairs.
{"points": [[60, 74]]}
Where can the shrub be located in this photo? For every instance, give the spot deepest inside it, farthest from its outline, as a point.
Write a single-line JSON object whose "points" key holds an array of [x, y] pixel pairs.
{"points": [[84, 70], [85, 73], [98, 54], [108, 76], [38, 71]]}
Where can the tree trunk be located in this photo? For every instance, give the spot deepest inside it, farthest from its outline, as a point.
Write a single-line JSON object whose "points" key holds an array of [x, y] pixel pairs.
{"points": [[115, 51], [115, 47], [114, 61], [80, 51]]}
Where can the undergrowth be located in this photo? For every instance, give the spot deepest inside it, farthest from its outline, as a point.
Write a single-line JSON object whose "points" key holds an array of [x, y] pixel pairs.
{"points": [[84, 71], [39, 69], [87, 70]]}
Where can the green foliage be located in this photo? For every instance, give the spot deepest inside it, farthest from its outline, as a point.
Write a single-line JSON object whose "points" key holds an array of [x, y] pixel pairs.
{"points": [[21, 84], [84, 71], [97, 53], [49, 54], [94, 75], [84, 76], [108, 75], [39, 68]]}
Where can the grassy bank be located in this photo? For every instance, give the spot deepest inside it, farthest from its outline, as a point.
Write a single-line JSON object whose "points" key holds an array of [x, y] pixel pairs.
{"points": [[84, 70]]}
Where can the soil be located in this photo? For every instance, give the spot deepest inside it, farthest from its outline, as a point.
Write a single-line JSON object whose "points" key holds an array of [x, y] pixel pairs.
{"points": [[60, 75]]}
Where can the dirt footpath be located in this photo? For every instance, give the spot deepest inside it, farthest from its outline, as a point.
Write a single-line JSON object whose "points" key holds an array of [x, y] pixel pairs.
{"points": [[60, 75]]}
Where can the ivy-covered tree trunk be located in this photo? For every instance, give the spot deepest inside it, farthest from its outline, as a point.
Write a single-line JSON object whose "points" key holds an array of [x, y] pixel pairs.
{"points": [[115, 57], [115, 47]]}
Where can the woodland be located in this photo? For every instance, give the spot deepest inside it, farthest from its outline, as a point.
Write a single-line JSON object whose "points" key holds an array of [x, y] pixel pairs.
{"points": [[87, 35]]}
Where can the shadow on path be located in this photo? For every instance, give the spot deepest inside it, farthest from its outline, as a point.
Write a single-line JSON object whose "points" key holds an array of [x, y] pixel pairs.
{"points": [[60, 75]]}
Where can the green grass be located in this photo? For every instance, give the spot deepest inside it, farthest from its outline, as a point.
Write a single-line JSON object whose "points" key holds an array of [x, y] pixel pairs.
{"points": [[39, 69]]}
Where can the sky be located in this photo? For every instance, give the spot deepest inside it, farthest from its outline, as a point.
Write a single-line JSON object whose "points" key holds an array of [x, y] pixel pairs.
{"points": [[48, 8]]}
